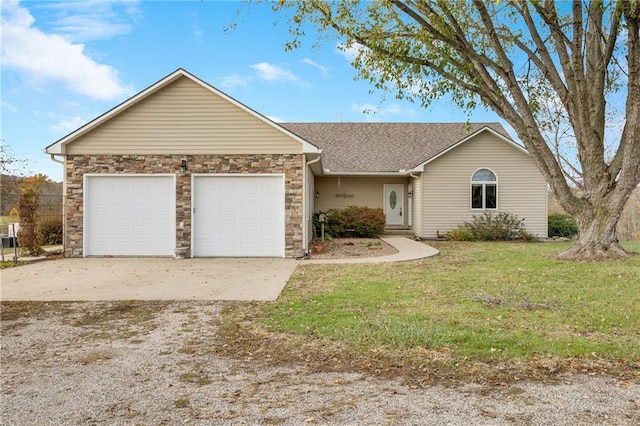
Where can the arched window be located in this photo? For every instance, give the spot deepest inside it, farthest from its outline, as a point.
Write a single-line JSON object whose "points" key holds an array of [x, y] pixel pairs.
{"points": [[484, 190]]}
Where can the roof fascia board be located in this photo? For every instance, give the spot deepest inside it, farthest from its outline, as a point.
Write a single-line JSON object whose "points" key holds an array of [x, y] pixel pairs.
{"points": [[420, 167], [58, 146], [330, 173]]}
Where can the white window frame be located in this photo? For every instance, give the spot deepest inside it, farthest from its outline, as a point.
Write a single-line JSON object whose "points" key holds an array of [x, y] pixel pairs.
{"points": [[484, 184]]}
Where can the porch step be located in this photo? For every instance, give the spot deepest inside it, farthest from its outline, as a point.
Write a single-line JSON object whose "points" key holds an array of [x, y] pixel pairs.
{"points": [[398, 230]]}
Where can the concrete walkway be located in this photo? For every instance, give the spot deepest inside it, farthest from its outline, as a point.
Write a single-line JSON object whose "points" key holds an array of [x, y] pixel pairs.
{"points": [[408, 249]]}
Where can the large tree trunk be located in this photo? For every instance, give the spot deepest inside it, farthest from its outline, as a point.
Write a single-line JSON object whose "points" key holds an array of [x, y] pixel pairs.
{"points": [[597, 239]]}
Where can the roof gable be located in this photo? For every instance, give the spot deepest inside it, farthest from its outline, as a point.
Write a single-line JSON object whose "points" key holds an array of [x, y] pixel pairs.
{"points": [[60, 146], [388, 147], [485, 129]]}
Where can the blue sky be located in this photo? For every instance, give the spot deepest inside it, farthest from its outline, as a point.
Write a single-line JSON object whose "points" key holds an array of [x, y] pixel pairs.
{"points": [[65, 63]]}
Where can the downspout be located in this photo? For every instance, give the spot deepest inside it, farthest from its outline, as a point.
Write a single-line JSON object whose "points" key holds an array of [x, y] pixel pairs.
{"points": [[305, 206], [64, 198], [411, 202]]}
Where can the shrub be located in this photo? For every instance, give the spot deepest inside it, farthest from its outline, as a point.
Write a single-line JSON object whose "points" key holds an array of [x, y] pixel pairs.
{"points": [[495, 227], [562, 225], [502, 226], [461, 233], [352, 221], [523, 235], [50, 231]]}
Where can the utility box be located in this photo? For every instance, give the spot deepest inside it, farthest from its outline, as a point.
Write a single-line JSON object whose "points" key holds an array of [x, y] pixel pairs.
{"points": [[9, 242]]}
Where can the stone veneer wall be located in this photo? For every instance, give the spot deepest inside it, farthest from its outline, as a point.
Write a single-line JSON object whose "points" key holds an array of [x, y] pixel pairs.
{"points": [[288, 164]]}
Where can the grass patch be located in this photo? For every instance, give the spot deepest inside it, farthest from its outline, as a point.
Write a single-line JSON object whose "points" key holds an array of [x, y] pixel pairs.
{"points": [[476, 303], [11, 264], [14, 311], [121, 320], [181, 403], [631, 246], [199, 378]]}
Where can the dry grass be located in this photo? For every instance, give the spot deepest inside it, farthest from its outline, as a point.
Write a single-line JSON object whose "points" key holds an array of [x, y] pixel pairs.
{"points": [[119, 320], [481, 312]]}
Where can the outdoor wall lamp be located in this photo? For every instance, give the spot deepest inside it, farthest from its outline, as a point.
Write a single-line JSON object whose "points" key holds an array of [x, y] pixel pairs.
{"points": [[183, 165], [317, 194]]}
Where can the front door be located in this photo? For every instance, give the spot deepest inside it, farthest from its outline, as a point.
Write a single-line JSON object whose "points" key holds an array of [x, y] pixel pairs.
{"points": [[394, 204]]}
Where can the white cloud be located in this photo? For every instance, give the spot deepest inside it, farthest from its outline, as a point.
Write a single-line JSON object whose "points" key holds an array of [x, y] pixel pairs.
{"points": [[349, 53], [275, 118], [270, 72], [324, 70], [50, 57], [9, 106], [232, 81], [93, 19], [375, 113], [68, 125], [198, 32]]}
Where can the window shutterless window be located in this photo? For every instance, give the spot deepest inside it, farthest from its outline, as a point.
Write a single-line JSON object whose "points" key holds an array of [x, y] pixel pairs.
{"points": [[484, 190]]}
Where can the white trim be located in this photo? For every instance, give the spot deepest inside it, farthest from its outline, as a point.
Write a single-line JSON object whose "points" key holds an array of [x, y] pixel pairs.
{"points": [[58, 147], [410, 187], [420, 167], [85, 187], [237, 175], [308, 195], [484, 190], [305, 187], [484, 168]]}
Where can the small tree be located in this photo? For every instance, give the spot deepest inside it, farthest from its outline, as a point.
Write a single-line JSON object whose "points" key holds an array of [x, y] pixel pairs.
{"points": [[28, 212], [12, 168]]}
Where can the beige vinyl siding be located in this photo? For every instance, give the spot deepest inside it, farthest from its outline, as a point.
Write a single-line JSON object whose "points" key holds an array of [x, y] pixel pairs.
{"points": [[184, 118], [343, 191], [417, 205], [446, 186]]}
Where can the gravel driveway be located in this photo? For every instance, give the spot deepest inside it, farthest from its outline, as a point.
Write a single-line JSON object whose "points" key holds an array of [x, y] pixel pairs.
{"points": [[97, 363]]}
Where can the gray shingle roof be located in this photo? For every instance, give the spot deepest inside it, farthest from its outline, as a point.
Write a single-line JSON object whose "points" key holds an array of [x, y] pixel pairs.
{"points": [[383, 147]]}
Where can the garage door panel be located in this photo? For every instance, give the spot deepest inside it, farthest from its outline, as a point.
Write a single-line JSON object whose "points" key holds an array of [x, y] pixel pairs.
{"points": [[233, 212], [130, 215]]}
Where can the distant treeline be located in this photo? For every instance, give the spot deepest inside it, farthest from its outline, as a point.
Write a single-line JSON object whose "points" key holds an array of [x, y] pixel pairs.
{"points": [[50, 197]]}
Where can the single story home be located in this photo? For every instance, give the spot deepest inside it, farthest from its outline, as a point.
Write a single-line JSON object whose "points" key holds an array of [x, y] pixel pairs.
{"points": [[182, 165]]}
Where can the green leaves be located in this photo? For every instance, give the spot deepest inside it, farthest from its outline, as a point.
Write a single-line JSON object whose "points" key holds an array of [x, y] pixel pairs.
{"points": [[550, 69]]}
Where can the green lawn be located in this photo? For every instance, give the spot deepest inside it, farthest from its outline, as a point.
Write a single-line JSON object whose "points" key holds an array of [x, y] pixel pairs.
{"points": [[476, 302]]}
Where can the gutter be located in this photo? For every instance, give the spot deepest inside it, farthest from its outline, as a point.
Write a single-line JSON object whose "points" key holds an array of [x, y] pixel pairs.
{"points": [[54, 159], [398, 173], [401, 172], [64, 198]]}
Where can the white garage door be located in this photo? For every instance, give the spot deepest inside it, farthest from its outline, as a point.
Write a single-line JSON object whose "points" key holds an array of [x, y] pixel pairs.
{"points": [[130, 215], [238, 216]]}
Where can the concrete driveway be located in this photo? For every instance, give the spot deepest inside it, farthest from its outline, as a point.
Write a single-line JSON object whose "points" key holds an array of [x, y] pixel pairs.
{"points": [[147, 279]]}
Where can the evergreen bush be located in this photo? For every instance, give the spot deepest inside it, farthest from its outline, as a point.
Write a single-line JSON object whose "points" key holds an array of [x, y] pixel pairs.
{"points": [[50, 231], [562, 225], [352, 221]]}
